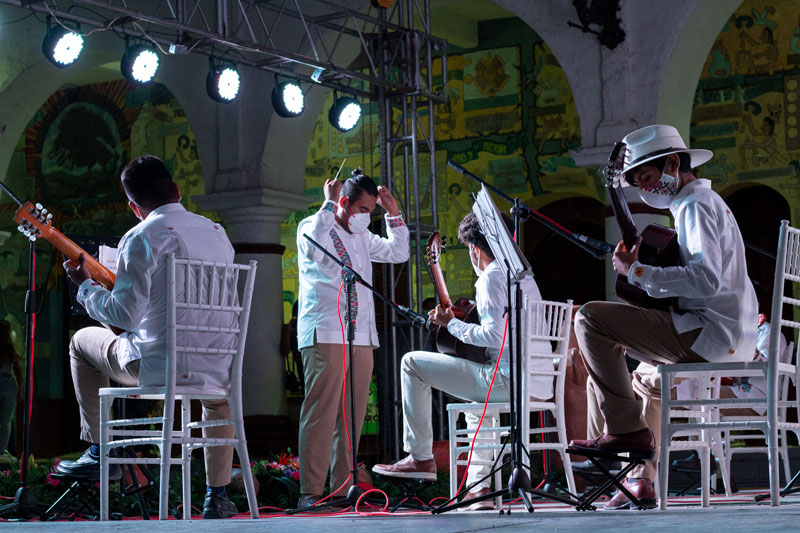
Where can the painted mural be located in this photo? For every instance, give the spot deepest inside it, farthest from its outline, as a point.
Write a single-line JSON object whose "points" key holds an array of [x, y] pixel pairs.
{"points": [[746, 106], [69, 159]]}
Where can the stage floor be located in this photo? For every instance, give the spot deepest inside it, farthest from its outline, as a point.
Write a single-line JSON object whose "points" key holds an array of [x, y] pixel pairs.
{"points": [[734, 514]]}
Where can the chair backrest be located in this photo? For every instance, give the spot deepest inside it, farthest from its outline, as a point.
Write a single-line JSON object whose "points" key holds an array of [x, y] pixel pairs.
{"points": [[787, 268], [208, 309], [545, 323]]}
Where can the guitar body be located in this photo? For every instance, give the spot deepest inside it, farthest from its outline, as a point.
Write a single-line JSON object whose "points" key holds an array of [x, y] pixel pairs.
{"points": [[659, 248], [448, 344]]}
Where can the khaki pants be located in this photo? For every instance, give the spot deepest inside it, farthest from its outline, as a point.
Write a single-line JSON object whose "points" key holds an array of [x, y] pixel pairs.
{"points": [[323, 439], [94, 360], [604, 331]]}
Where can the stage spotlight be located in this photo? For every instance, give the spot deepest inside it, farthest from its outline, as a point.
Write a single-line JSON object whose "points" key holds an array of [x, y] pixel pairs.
{"points": [[139, 64], [62, 46], [344, 113], [288, 99], [222, 82]]}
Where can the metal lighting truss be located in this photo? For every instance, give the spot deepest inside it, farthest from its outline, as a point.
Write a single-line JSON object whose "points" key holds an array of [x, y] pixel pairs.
{"points": [[299, 39], [405, 134]]}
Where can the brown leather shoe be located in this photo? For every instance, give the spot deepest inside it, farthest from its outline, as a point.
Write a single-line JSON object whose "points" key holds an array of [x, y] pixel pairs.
{"points": [[641, 488], [408, 468], [482, 505], [641, 442]]}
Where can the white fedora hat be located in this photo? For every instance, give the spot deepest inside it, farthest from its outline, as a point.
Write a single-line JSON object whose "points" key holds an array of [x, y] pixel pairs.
{"points": [[658, 140]]}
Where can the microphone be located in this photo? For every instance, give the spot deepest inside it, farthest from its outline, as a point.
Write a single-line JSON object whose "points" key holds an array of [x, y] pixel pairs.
{"points": [[416, 318], [602, 246]]}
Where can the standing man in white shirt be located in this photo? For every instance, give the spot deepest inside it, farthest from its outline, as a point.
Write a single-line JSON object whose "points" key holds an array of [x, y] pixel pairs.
{"points": [[714, 318], [341, 226], [468, 380], [137, 305]]}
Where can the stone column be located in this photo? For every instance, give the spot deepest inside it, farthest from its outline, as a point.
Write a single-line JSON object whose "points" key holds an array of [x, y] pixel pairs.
{"points": [[253, 220]]}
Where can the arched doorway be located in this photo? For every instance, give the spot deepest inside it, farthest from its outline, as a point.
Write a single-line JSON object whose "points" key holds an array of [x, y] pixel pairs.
{"points": [[562, 269], [759, 210]]}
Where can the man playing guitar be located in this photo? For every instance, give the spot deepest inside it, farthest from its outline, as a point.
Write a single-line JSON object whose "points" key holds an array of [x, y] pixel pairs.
{"points": [[459, 377], [137, 305], [714, 318]]}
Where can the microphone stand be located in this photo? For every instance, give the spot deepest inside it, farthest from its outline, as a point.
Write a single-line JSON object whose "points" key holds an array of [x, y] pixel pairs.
{"points": [[25, 504], [350, 279]]}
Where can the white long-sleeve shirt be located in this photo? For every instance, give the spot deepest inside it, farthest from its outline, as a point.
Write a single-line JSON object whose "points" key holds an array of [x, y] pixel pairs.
{"points": [[320, 278], [137, 303], [491, 300], [713, 289]]}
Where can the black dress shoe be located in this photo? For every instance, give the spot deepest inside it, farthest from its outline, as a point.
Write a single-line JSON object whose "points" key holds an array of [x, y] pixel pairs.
{"points": [[218, 506], [587, 467], [88, 467]]}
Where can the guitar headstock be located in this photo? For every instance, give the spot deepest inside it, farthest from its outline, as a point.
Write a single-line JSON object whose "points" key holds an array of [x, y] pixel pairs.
{"points": [[616, 162], [33, 220], [435, 248]]}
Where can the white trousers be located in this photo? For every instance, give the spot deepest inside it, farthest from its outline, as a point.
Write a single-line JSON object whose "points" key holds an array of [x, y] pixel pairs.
{"points": [[467, 380]]}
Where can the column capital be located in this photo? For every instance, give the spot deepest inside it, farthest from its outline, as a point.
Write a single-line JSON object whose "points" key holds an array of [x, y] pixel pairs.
{"points": [[253, 215]]}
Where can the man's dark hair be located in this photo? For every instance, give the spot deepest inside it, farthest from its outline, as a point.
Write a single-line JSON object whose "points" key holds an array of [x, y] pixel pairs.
{"points": [[469, 232], [685, 165], [357, 184], [147, 182]]}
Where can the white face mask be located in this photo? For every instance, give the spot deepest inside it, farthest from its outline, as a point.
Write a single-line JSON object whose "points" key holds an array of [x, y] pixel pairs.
{"points": [[358, 223], [662, 193], [475, 266]]}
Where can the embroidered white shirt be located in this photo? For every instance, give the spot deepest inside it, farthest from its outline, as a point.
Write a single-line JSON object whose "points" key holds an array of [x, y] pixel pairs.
{"points": [[492, 300], [137, 303], [320, 278], [713, 289]]}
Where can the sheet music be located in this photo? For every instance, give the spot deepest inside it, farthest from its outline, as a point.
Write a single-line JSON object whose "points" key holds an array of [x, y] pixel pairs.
{"points": [[500, 239], [107, 256]]}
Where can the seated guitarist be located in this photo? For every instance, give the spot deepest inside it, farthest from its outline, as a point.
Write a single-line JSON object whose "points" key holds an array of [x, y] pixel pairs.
{"points": [[137, 305], [714, 319], [468, 380]]}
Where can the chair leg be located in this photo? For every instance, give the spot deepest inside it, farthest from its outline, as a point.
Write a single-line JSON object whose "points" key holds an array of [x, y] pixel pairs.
{"points": [[244, 456], [666, 435], [452, 419], [719, 456], [186, 458], [165, 447], [705, 475], [104, 457], [562, 439]]}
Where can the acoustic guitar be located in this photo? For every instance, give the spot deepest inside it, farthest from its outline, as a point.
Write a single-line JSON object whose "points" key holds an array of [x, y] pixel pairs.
{"points": [[659, 245], [35, 222], [463, 309]]}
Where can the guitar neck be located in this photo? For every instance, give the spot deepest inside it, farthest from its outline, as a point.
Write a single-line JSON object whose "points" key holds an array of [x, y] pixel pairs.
{"points": [[439, 283], [623, 215], [97, 270]]}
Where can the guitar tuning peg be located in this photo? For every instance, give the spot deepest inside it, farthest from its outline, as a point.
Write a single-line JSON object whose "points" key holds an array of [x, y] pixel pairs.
{"points": [[21, 228], [26, 233], [32, 238], [39, 206], [49, 216]]}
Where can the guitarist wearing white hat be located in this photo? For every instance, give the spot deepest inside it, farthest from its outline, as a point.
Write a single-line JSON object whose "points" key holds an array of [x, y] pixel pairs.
{"points": [[713, 319]]}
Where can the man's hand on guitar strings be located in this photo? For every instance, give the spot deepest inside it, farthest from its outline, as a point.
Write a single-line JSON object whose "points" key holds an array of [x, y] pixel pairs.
{"points": [[440, 316], [77, 271], [623, 259]]}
